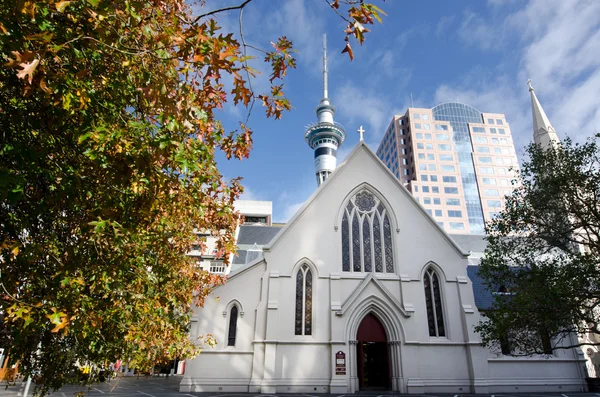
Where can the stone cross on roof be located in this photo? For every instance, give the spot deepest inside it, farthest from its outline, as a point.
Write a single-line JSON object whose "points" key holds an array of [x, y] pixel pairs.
{"points": [[360, 131]]}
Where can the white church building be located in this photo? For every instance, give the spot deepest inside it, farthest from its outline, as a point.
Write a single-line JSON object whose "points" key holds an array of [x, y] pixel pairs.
{"points": [[360, 290]]}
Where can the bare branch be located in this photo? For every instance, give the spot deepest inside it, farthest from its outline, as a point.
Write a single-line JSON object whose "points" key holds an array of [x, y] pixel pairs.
{"points": [[238, 7]]}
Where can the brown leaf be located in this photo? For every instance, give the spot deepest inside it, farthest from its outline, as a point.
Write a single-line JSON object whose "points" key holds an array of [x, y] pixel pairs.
{"points": [[61, 5], [348, 49], [28, 69]]}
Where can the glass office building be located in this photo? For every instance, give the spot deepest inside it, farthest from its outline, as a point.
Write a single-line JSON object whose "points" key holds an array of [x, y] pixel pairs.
{"points": [[455, 160]]}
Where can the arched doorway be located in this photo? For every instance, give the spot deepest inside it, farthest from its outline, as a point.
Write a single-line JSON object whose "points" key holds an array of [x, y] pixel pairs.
{"points": [[372, 355]]}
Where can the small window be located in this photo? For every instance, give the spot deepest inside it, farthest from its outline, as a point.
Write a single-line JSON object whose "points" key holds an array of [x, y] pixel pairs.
{"points": [[303, 323], [492, 130], [436, 201], [430, 156], [494, 203], [233, 316], [425, 189], [479, 129], [499, 122], [446, 157], [482, 149], [501, 131], [418, 125], [429, 146], [428, 136], [454, 214], [443, 146], [442, 137], [457, 226], [432, 167], [489, 181], [490, 121], [420, 146], [419, 135], [492, 192], [448, 168], [424, 178], [485, 159], [425, 116], [433, 178], [433, 302], [426, 200], [427, 126], [416, 116], [438, 212], [435, 189], [451, 190], [450, 201], [449, 179]]}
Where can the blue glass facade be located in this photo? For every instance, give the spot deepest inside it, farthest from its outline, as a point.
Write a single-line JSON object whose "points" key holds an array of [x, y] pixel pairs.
{"points": [[459, 115]]}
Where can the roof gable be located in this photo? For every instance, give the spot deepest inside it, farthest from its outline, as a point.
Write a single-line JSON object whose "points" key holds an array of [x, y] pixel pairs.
{"points": [[354, 156]]}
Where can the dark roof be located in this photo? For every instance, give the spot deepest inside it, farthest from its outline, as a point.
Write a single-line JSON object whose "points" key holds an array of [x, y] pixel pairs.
{"points": [[483, 296], [239, 258], [260, 235], [470, 242]]}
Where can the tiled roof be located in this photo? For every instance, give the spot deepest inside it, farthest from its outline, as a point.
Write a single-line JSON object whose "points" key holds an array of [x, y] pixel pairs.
{"points": [[260, 235], [483, 297], [470, 242]]}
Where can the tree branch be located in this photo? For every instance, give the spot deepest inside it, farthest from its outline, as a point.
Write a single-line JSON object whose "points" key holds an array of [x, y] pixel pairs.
{"points": [[238, 7]]}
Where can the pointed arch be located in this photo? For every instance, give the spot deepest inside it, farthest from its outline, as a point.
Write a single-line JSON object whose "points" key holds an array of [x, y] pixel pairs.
{"points": [[367, 220], [232, 330], [434, 302], [303, 307], [380, 309]]}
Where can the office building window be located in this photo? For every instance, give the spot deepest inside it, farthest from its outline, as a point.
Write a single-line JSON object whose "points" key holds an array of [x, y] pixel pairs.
{"points": [[448, 168], [454, 214], [449, 179], [450, 201], [451, 190], [457, 226], [494, 203]]}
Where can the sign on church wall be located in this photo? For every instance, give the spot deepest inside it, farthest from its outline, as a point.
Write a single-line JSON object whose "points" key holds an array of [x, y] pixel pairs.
{"points": [[340, 363]]}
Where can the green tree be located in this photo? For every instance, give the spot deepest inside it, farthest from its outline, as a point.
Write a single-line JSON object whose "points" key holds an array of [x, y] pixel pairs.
{"points": [[108, 135], [543, 253]]}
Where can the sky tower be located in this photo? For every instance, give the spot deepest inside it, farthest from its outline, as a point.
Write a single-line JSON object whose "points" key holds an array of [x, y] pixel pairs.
{"points": [[325, 136]]}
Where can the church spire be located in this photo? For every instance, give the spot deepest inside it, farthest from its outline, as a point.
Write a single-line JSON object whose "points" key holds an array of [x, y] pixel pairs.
{"points": [[544, 134], [325, 136]]}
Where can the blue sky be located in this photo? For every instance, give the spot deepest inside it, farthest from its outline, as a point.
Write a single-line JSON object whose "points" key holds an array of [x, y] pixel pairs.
{"points": [[480, 52]]}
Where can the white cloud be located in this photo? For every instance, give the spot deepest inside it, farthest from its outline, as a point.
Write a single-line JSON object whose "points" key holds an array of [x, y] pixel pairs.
{"points": [[557, 44], [290, 210], [358, 106], [443, 25], [476, 31]]}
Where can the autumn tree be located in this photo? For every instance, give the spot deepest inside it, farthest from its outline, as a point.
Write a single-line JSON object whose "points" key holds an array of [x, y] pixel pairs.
{"points": [[108, 136], [543, 253]]}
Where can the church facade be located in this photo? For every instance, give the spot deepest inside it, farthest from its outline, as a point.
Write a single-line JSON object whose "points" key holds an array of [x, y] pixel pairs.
{"points": [[360, 290]]}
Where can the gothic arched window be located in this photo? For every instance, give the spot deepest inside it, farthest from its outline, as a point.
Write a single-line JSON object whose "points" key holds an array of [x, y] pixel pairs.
{"points": [[366, 235], [433, 300], [233, 316], [303, 324]]}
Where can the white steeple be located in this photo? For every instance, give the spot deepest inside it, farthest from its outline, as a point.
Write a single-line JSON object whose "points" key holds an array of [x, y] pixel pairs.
{"points": [[325, 136], [543, 132]]}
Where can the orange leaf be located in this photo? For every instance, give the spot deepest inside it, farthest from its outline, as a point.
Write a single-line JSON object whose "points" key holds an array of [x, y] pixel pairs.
{"points": [[348, 49], [61, 5]]}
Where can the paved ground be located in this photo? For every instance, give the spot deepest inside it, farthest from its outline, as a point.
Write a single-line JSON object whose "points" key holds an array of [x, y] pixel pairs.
{"points": [[161, 386]]}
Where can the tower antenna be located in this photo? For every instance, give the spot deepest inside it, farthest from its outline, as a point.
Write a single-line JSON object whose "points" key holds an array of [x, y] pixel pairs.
{"points": [[325, 65]]}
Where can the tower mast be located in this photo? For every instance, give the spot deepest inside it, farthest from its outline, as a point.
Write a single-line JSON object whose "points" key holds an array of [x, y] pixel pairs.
{"points": [[325, 136]]}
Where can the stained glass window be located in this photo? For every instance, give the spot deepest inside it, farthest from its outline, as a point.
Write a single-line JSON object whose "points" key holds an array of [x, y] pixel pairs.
{"points": [[303, 323], [366, 229], [389, 251], [233, 316], [377, 244], [366, 235], [308, 304], [345, 244], [433, 301], [356, 243], [299, 301]]}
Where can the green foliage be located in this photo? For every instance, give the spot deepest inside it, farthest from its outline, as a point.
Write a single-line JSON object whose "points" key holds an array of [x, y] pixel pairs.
{"points": [[108, 135], [544, 250]]}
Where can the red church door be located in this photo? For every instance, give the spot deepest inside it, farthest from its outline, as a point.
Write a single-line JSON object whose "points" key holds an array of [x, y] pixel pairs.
{"points": [[372, 355]]}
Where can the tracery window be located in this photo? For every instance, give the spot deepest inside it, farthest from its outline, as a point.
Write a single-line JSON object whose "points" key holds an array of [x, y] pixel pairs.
{"points": [[366, 235], [233, 316], [433, 300], [303, 324]]}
